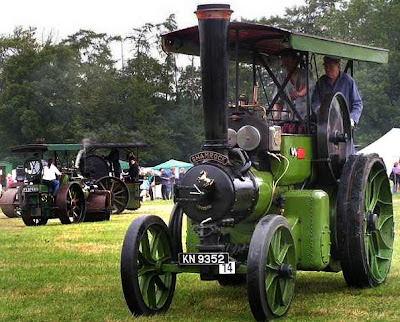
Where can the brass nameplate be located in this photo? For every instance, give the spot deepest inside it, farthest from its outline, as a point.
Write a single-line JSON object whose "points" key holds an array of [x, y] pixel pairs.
{"points": [[209, 156]]}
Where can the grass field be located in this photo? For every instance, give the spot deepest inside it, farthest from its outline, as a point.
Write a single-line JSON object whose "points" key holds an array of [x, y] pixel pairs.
{"points": [[71, 273]]}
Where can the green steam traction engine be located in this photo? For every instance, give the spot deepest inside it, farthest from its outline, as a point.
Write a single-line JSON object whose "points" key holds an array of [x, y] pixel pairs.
{"points": [[262, 204]]}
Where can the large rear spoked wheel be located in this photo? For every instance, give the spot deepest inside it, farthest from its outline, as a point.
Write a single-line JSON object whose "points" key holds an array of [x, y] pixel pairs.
{"points": [[147, 245], [71, 204], [119, 192], [271, 268], [369, 234]]}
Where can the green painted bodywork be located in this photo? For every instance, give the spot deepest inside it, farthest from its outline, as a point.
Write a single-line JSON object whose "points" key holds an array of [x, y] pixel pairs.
{"points": [[334, 264], [299, 169], [307, 211], [46, 203], [265, 182], [134, 195], [7, 167]]}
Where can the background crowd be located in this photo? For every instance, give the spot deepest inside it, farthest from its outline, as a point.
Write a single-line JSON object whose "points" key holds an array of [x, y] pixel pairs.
{"points": [[160, 183]]}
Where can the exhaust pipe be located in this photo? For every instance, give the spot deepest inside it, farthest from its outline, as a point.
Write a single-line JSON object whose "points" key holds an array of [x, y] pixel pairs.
{"points": [[214, 36]]}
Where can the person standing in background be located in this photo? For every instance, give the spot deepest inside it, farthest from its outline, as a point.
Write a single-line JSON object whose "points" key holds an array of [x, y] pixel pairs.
{"points": [[165, 185], [174, 176], [133, 169], [182, 172], [152, 184], [113, 158], [394, 177]]}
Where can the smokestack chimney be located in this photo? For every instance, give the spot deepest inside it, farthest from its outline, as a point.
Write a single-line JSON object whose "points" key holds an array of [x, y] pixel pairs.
{"points": [[214, 36]]}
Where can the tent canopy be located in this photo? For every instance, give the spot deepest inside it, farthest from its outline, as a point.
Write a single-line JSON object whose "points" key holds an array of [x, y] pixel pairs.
{"points": [[173, 164], [387, 147]]}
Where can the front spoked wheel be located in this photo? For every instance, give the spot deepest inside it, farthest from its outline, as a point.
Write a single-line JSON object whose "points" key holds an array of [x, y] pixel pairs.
{"points": [[32, 221], [271, 268], [147, 245]]}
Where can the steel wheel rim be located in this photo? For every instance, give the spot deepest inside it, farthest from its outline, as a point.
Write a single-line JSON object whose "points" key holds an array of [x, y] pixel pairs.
{"points": [[279, 287], [155, 285], [378, 223]]}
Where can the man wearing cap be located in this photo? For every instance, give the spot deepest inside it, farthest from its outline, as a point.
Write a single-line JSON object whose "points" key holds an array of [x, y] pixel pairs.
{"points": [[335, 81]]}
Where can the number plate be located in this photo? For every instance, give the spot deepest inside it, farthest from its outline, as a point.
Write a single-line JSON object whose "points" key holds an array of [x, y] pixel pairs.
{"points": [[228, 268], [30, 189], [203, 258]]}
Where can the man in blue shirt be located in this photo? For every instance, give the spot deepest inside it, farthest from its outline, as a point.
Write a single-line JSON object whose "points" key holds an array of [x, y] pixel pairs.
{"points": [[335, 81]]}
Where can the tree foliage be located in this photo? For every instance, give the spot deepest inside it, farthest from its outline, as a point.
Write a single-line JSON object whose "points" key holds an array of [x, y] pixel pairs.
{"points": [[72, 89]]}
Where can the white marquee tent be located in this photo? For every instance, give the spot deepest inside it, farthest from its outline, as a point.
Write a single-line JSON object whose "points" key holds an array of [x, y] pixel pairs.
{"points": [[388, 148]]}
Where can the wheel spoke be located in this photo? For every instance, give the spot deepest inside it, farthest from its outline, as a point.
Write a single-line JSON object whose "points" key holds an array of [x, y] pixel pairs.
{"points": [[274, 248], [374, 185], [119, 202], [160, 284], [156, 249], [283, 253], [374, 267], [148, 291], [118, 192], [383, 221], [146, 271], [112, 186], [278, 294], [269, 278], [271, 291], [142, 260], [145, 245], [381, 240], [287, 291]]}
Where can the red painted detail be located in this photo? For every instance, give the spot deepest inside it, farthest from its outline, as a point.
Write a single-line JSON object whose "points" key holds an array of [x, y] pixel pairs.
{"points": [[301, 153]]}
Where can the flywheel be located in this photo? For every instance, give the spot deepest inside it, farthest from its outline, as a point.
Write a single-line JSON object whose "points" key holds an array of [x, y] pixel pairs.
{"points": [[334, 137]]}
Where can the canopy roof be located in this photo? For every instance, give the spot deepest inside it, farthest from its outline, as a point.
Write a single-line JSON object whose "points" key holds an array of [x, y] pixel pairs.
{"points": [[271, 41], [118, 145], [73, 147], [173, 164]]}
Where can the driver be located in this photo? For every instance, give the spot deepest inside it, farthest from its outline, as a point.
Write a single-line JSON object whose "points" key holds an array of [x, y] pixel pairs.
{"points": [[81, 154], [50, 173], [296, 88], [335, 81]]}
